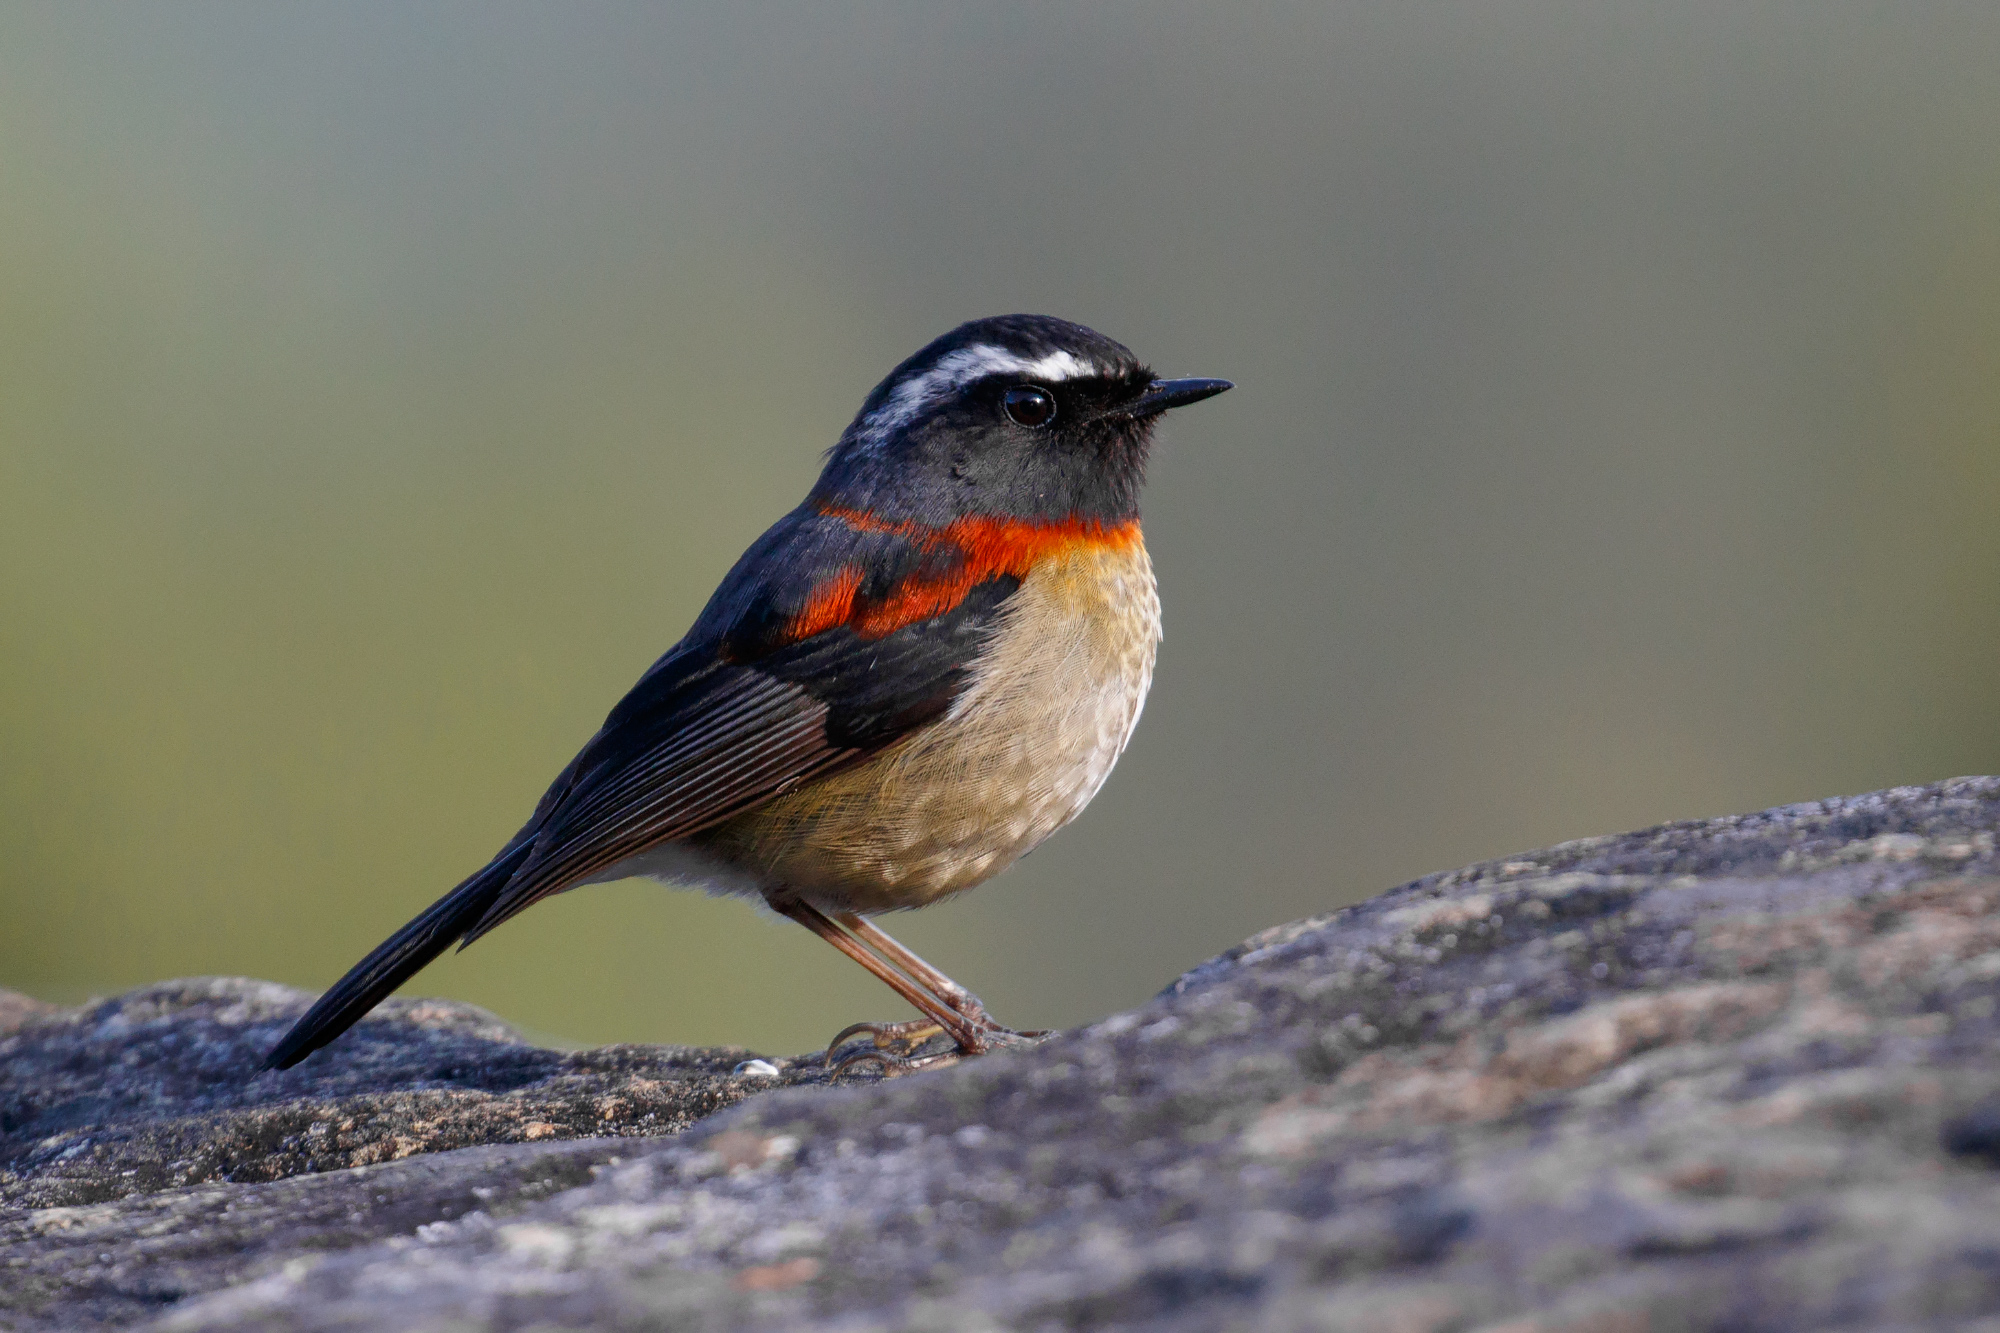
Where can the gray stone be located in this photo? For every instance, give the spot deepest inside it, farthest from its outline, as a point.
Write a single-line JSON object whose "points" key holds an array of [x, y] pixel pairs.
{"points": [[1732, 1074]]}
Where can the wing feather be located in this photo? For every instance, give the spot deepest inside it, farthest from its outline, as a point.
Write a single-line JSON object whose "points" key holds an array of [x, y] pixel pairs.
{"points": [[749, 705], [792, 672], [732, 749]]}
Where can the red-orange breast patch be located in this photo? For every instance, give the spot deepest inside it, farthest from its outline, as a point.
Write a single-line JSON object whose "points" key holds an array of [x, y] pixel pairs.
{"points": [[964, 553]]}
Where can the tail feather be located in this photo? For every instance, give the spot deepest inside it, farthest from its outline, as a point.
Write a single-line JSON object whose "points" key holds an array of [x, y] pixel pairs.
{"points": [[397, 959]]}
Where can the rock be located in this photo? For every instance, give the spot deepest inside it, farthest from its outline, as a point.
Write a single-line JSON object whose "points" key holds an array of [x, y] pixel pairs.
{"points": [[1739, 1073], [159, 1088]]}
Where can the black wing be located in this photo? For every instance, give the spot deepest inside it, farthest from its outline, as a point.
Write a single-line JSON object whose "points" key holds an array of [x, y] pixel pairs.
{"points": [[768, 690]]}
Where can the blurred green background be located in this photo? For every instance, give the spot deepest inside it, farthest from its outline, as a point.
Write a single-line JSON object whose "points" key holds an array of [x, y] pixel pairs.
{"points": [[382, 387]]}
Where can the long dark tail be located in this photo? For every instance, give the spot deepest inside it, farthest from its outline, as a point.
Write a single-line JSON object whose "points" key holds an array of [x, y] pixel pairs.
{"points": [[397, 959]]}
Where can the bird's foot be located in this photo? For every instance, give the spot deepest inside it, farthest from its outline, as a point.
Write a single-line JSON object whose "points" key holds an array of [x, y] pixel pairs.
{"points": [[920, 1043], [897, 1048]]}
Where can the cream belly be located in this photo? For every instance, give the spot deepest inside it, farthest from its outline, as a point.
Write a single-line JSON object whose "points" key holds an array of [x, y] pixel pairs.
{"points": [[1035, 734]]}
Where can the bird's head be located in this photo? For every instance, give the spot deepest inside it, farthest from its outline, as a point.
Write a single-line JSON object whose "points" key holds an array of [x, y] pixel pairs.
{"points": [[1022, 416]]}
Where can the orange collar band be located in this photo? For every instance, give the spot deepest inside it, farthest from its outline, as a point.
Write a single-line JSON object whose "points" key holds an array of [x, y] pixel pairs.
{"points": [[975, 549]]}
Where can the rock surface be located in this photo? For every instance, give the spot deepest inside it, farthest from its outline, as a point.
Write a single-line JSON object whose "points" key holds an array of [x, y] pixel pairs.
{"points": [[1736, 1074]]}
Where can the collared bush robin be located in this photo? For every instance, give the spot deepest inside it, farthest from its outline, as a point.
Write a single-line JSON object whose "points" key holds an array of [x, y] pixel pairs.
{"points": [[901, 688]]}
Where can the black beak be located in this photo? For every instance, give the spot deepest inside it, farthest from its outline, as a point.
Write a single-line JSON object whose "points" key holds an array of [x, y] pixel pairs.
{"points": [[1163, 394]]}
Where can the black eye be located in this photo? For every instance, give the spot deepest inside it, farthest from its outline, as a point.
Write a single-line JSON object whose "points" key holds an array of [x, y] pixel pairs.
{"points": [[1029, 406]]}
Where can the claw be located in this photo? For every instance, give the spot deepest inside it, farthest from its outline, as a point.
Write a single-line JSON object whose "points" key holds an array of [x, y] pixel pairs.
{"points": [[1000, 1039], [916, 1031], [892, 1065], [899, 1048], [893, 1046]]}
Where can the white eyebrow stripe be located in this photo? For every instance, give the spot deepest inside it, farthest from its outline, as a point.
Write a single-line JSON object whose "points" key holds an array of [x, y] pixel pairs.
{"points": [[957, 369], [993, 361]]}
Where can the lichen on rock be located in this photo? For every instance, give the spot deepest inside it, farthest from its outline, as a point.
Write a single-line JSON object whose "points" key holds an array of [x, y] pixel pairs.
{"points": [[1736, 1073]]}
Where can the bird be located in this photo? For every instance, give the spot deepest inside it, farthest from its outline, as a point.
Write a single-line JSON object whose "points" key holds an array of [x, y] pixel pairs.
{"points": [[899, 690]]}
